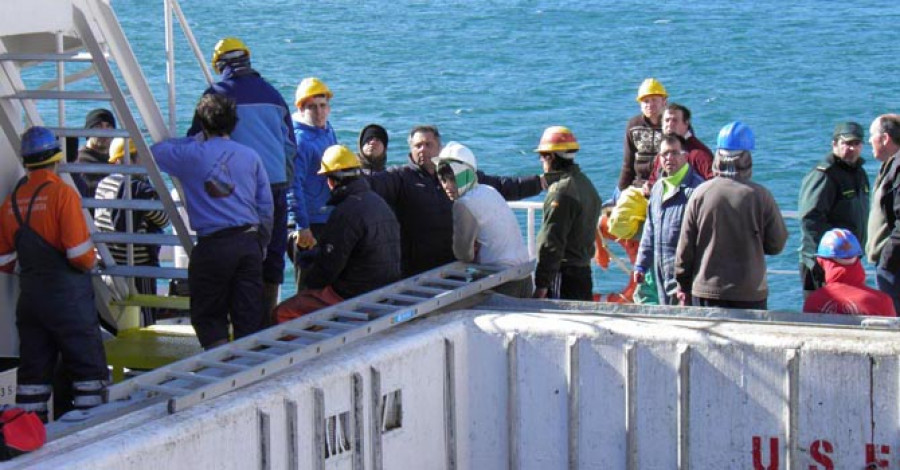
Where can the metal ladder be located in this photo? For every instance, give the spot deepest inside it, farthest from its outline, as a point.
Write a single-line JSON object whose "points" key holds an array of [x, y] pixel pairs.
{"points": [[100, 41], [258, 356]]}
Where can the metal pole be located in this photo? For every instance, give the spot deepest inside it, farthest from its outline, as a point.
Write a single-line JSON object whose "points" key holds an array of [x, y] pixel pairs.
{"points": [[189, 35], [170, 64], [60, 80]]}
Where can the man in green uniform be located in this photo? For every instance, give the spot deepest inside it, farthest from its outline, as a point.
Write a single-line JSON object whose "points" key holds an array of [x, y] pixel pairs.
{"points": [[835, 194], [571, 211]]}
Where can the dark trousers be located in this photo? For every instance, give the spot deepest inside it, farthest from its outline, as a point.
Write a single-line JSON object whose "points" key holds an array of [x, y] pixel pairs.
{"points": [[303, 259], [273, 266], [889, 284], [743, 304], [225, 275], [573, 283]]}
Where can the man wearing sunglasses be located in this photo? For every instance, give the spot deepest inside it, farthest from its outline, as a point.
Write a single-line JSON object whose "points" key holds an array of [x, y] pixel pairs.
{"points": [[834, 194]]}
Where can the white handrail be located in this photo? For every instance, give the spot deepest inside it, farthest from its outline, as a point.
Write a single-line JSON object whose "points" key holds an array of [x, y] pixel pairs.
{"points": [[531, 208]]}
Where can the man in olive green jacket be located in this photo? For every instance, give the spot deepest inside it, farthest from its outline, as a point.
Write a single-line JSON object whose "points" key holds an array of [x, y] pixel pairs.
{"points": [[835, 194], [571, 212]]}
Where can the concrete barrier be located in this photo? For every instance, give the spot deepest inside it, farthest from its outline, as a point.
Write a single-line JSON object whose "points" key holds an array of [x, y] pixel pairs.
{"points": [[481, 390]]}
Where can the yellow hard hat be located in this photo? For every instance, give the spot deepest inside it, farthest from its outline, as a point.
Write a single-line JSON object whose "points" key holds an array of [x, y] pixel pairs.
{"points": [[625, 219], [557, 139], [309, 87], [651, 86], [117, 149], [227, 45], [338, 158]]}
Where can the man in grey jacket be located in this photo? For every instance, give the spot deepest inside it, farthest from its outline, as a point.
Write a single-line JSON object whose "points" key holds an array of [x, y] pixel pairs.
{"points": [[730, 224]]}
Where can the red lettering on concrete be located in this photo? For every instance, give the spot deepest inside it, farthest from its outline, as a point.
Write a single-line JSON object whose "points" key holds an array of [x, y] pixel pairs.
{"points": [[757, 454], [818, 452], [873, 452]]}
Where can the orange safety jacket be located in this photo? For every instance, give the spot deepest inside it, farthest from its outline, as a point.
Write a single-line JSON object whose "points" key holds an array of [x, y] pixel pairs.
{"points": [[56, 216]]}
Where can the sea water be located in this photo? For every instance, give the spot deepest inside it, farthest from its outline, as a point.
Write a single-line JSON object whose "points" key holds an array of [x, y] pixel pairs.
{"points": [[494, 74]]}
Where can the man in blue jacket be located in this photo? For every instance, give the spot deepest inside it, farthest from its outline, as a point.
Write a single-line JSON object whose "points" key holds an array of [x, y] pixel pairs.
{"points": [[264, 124], [313, 134], [229, 203]]}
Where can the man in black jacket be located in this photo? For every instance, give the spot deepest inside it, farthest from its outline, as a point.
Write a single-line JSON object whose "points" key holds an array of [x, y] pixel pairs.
{"points": [[359, 247], [422, 207], [835, 194]]}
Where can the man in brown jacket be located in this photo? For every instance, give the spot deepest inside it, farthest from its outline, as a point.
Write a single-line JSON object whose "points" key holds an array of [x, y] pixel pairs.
{"points": [[730, 224]]}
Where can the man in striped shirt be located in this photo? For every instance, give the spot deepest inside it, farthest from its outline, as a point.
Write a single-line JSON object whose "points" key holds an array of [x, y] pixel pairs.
{"points": [[116, 220]]}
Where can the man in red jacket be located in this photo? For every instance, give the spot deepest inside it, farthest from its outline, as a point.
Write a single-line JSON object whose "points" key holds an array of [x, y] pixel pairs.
{"points": [[845, 290]]}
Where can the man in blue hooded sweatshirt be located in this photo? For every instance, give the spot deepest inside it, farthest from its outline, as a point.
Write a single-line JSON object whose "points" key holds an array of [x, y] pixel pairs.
{"points": [[313, 134], [264, 124]]}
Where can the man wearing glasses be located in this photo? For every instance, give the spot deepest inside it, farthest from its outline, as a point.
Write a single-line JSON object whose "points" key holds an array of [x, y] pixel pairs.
{"points": [[834, 194]]}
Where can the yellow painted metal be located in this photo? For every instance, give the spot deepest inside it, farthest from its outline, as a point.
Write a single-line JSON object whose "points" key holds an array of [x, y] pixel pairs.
{"points": [[150, 347]]}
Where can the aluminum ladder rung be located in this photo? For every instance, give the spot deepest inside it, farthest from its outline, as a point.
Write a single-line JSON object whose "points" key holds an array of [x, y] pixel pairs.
{"points": [[193, 377], [36, 57], [82, 132], [434, 291], [354, 315], [145, 271], [171, 391], [410, 299], [252, 354], [447, 282], [102, 169], [334, 324], [135, 238], [221, 365], [307, 334], [273, 343], [375, 306], [59, 95], [133, 204], [458, 274]]}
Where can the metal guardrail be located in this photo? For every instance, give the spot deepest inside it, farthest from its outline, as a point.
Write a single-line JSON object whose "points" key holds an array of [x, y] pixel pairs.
{"points": [[531, 209]]}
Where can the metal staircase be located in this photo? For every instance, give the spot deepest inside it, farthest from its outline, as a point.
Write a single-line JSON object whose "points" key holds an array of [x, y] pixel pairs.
{"points": [[97, 41], [253, 358]]}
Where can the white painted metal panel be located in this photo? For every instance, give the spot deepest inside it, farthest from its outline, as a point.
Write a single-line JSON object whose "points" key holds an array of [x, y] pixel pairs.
{"points": [[654, 405], [22, 17], [482, 400], [736, 396], [600, 406], [418, 373], [539, 411]]}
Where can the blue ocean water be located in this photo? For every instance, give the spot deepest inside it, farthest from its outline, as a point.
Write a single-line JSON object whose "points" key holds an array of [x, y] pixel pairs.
{"points": [[494, 74]]}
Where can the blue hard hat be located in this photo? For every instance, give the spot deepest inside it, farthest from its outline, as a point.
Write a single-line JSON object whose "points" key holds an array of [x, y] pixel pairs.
{"points": [[736, 136], [38, 139], [839, 243], [40, 147]]}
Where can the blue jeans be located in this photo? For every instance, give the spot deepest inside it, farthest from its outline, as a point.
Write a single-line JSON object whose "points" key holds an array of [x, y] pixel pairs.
{"points": [[889, 284]]}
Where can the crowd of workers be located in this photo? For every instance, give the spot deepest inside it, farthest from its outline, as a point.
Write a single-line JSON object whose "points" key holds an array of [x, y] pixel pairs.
{"points": [[697, 226]]}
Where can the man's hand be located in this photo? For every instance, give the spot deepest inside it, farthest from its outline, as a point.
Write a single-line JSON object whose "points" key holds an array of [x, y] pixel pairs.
{"points": [[540, 293], [305, 239], [683, 299]]}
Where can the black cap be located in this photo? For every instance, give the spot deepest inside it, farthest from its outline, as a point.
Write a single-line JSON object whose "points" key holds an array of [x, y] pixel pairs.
{"points": [[373, 130], [97, 116], [848, 131]]}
